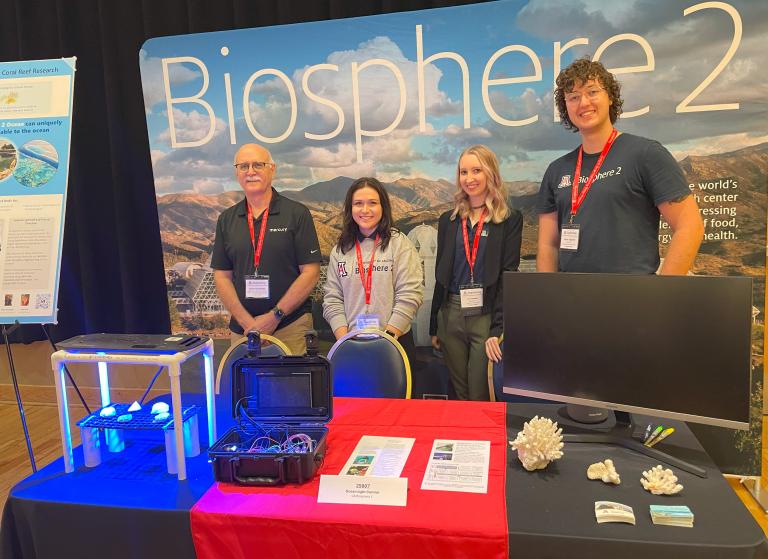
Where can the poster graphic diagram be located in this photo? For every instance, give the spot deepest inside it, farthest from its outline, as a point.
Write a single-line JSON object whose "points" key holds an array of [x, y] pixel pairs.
{"points": [[35, 122], [399, 96]]}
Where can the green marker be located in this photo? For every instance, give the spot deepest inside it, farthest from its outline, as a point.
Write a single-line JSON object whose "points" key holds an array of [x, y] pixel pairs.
{"points": [[664, 435], [656, 431]]}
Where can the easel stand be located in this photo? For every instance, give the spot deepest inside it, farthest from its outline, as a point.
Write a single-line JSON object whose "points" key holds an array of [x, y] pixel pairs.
{"points": [[6, 332]]}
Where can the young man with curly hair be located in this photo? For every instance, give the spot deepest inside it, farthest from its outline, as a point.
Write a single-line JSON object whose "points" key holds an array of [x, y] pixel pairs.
{"points": [[599, 205]]}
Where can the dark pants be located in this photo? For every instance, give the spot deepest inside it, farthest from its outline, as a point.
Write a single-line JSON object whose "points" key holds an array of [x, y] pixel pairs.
{"points": [[462, 340], [406, 340]]}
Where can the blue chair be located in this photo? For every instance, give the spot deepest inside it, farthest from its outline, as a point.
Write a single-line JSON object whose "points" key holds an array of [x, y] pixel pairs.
{"points": [[223, 381], [370, 363]]}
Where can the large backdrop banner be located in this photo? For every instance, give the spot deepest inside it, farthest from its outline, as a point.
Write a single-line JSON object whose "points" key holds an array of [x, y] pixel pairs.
{"points": [[399, 96]]}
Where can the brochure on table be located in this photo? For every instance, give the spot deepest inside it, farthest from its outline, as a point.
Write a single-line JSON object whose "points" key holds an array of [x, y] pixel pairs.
{"points": [[458, 466], [378, 456]]}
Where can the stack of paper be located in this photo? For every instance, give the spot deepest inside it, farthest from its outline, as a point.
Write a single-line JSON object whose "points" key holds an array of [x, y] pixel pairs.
{"points": [[672, 515], [608, 511]]}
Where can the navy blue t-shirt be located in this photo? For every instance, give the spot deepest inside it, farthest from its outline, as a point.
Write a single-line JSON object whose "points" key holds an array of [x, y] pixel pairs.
{"points": [[619, 218]]}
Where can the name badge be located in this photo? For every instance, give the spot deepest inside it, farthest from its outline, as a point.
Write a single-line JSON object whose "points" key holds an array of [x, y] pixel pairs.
{"points": [[471, 299], [257, 287], [569, 237], [368, 321]]}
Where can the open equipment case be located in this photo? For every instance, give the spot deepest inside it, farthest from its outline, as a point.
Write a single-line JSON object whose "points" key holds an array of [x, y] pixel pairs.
{"points": [[282, 405]]}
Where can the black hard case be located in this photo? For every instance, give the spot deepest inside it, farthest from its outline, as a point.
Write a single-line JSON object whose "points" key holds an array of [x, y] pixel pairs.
{"points": [[281, 394]]}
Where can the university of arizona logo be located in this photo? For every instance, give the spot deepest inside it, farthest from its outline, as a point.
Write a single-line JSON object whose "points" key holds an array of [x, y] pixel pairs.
{"points": [[342, 269], [565, 182]]}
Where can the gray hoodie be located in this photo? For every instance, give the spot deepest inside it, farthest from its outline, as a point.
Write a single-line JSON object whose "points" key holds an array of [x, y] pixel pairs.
{"points": [[397, 285]]}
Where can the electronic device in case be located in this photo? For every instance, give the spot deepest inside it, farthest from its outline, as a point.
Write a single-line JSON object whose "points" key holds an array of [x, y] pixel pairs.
{"points": [[281, 405]]}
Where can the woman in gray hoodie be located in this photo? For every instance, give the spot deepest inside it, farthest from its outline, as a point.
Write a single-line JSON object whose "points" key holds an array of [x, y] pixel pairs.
{"points": [[375, 277]]}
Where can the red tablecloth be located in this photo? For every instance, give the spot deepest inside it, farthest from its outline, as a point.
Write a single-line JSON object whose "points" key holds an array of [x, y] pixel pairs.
{"points": [[285, 522]]}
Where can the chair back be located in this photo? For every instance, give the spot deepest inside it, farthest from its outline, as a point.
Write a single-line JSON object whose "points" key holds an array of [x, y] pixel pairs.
{"points": [[223, 384], [496, 376], [370, 363]]}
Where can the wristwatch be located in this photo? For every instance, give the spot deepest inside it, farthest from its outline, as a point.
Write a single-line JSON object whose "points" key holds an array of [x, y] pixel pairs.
{"points": [[279, 314]]}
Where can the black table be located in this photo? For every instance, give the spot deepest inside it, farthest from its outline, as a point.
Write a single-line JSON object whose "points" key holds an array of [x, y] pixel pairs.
{"points": [[130, 507], [551, 512]]}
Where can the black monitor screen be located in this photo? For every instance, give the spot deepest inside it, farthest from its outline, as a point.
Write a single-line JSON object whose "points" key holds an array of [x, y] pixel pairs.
{"points": [[279, 391], [671, 346]]}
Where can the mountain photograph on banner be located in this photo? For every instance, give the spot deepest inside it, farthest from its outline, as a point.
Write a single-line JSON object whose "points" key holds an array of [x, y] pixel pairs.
{"points": [[399, 96]]}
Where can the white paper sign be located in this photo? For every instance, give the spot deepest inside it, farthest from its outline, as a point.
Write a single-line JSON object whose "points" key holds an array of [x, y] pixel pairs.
{"points": [[369, 490]]}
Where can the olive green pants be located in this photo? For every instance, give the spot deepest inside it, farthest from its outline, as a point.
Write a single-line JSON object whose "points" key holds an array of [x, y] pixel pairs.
{"points": [[462, 340]]}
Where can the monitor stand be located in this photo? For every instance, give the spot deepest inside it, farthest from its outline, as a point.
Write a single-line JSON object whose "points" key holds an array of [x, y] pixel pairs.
{"points": [[621, 435], [586, 414]]}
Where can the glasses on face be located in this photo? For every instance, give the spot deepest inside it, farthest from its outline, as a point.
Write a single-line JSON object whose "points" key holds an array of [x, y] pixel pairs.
{"points": [[255, 165], [574, 97]]}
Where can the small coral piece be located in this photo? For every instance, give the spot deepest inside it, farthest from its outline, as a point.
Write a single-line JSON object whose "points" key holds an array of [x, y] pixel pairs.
{"points": [[604, 471], [539, 443], [659, 481]]}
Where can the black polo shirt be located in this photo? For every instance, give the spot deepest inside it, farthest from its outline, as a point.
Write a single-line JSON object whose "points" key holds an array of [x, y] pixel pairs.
{"points": [[290, 240]]}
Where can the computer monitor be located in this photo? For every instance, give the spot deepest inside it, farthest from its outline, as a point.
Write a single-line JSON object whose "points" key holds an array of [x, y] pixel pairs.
{"points": [[667, 346]]}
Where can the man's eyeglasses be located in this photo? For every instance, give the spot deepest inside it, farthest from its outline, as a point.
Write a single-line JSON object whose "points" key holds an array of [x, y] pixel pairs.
{"points": [[591, 94], [255, 165]]}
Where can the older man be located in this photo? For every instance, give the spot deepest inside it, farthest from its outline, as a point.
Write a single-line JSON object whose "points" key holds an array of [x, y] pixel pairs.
{"points": [[266, 257]]}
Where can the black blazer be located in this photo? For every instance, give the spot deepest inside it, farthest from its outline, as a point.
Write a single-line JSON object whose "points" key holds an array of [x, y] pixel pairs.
{"points": [[502, 253]]}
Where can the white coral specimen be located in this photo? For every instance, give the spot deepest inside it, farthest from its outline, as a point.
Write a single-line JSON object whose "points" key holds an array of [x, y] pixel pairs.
{"points": [[538, 443], [604, 471], [660, 481]]}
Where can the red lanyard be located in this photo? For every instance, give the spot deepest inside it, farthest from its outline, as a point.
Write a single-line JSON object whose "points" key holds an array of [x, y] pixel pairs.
{"points": [[578, 197], [257, 247], [475, 243], [367, 281]]}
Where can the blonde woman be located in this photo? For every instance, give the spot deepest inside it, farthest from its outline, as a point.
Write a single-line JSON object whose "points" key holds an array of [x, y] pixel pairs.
{"points": [[476, 242]]}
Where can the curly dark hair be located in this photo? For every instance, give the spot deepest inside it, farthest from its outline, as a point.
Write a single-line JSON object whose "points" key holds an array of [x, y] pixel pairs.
{"points": [[349, 228], [578, 72]]}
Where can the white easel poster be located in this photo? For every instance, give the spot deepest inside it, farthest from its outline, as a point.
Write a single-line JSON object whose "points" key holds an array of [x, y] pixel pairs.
{"points": [[35, 128]]}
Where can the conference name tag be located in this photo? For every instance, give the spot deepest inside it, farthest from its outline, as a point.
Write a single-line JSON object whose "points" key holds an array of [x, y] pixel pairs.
{"points": [[368, 321], [569, 237], [471, 299], [257, 287], [368, 490]]}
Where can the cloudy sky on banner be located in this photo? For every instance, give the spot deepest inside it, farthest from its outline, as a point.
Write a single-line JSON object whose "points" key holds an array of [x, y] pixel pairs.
{"points": [[686, 49]]}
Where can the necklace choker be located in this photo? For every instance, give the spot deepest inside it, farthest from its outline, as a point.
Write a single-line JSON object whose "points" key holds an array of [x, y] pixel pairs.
{"points": [[477, 207]]}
